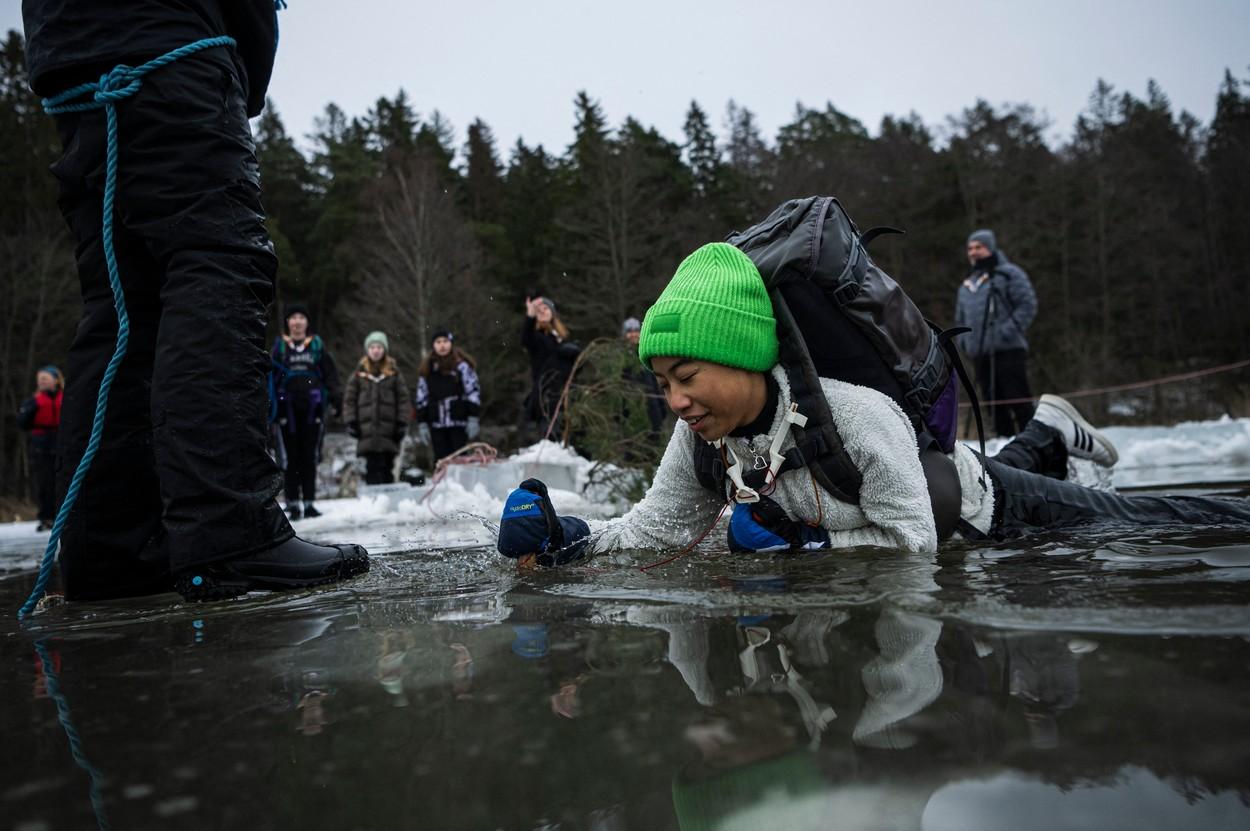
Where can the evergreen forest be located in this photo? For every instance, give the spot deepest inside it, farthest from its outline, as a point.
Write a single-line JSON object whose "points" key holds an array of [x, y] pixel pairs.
{"points": [[1133, 228]]}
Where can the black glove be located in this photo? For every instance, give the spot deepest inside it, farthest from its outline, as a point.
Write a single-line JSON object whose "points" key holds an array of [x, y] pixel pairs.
{"points": [[353, 429], [529, 525], [765, 526]]}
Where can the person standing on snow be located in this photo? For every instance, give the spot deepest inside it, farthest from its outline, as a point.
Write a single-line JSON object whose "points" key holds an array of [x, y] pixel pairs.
{"points": [[41, 415], [997, 302], [375, 408], [631, 331], [551, 354], [306, 386], [182, 492], [449, 398]]}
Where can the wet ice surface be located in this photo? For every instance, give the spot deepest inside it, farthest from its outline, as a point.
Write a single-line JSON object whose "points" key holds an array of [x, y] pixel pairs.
{"points": [[1082, 680]]}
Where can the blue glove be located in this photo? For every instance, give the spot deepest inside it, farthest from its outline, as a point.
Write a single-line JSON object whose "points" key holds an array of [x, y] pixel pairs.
{"points": [[765, 526], [529, 525]]}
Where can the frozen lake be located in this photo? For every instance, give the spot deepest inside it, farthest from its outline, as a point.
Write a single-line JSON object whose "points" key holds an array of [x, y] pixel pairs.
{"points": [[1086, 680]]}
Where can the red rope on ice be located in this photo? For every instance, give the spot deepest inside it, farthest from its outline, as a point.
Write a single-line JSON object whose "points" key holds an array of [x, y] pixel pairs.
{"points": [[1165, 379]]}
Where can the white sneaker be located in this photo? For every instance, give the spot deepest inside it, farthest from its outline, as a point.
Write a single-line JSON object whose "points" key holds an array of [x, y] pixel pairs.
{"points": [[1082, 439]]}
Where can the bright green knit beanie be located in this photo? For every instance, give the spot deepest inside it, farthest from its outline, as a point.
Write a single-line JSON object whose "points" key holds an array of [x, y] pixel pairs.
{"points": [[716, 309]]}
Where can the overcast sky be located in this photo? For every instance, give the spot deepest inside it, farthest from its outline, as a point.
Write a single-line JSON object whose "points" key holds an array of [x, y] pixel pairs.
{"points": [[517, 64]]}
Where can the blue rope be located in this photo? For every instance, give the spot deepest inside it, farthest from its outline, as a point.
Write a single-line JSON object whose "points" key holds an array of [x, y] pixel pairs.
{"points": [[117, 84], [71, 733]]}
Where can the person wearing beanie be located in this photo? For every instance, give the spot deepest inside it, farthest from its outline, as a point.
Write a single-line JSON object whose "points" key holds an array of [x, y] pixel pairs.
{"points": [[631, 332], [997, 303], [375, 407], [449, 397], [552, 355], [304, 390], [40, 415], [179, 490], [711, 340]]}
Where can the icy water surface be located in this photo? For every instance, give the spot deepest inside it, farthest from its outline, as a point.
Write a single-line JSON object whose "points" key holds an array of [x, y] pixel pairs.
{"points": [[1095, 680]]}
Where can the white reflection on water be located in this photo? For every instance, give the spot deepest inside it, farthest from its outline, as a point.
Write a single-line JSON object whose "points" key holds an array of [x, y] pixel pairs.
{"points": [[1137, 799]]}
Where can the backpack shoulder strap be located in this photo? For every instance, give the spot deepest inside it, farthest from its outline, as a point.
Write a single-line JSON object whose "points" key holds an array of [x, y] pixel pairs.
{"points": [[832, 466], [709, 468]]}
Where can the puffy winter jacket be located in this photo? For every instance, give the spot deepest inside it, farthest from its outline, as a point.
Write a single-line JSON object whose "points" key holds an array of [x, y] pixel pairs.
{"points": [[377, 400], [998, 307], [69, 42]]}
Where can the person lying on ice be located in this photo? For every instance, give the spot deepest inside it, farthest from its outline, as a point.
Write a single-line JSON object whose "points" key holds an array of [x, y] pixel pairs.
{"points": [[711, 340]]}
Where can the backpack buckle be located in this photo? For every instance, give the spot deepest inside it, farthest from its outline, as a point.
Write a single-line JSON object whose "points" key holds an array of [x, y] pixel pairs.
{"points": [[845, 293], [918, 398]]}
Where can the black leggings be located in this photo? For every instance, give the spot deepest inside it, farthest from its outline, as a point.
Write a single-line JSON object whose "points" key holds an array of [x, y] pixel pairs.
{"points": [[43, 480], [378, 468], [301, 439], [447, 440], [1030, 492]]}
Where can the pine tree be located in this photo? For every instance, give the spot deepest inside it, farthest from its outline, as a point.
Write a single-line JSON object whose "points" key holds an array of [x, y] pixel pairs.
{"points": [[483, 182]]}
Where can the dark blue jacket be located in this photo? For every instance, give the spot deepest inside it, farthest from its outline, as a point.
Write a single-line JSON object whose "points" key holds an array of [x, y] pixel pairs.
{"points": [[998, 307]]}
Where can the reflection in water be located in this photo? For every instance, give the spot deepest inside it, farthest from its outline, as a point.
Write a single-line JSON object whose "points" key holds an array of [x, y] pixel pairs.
{"points": [[784, 696], [48, 685]]}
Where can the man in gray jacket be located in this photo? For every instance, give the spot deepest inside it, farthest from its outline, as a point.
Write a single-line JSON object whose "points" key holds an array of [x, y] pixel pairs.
{"points": [[998, 304]]}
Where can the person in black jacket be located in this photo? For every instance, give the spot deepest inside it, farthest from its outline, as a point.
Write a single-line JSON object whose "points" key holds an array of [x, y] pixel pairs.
{"points": [[551, 354], [306, 389], [449, 397], [631, 331], [182, 491]]}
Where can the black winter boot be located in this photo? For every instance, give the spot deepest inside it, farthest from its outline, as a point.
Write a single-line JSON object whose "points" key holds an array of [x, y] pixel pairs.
{"points": [[294, 564], [310, 511], [294, 511]]}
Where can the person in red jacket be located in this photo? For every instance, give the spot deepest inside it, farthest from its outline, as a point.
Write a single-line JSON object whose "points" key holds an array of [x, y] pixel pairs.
{"points": [[41, 416]]}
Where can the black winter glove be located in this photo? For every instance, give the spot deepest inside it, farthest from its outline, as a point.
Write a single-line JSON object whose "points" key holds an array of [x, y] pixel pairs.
{"points": [[353, 429]]}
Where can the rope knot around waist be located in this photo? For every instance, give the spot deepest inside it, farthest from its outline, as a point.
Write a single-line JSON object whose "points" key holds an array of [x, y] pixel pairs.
{"points": [[122, 81]]}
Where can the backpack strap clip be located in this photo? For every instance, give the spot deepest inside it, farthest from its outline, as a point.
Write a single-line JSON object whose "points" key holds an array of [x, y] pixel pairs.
{"points": [[846, 293], [918, 397]]}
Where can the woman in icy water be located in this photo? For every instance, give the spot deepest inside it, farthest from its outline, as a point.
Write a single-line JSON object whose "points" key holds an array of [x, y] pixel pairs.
{"points": [[711, 340]]}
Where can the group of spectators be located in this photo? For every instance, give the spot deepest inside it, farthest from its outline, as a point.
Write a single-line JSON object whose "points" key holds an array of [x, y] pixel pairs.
{"points": [[996, 302], [374, 403]]}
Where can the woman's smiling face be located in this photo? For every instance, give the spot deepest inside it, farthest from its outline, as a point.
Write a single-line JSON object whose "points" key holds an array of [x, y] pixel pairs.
{"points": [[712, 398]]}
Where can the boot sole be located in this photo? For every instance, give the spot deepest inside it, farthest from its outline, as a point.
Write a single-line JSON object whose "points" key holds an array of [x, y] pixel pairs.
{"points": [[1067, 409]]}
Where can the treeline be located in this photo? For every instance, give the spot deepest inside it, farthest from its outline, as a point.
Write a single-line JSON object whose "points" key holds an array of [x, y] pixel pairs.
{"points": [[1133, 230]]}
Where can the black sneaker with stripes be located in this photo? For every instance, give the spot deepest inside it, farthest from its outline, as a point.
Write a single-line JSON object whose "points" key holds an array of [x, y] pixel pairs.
{"points": [[1083, 440]]}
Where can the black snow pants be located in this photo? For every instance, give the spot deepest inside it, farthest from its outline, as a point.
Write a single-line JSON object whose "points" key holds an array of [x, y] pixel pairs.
{"points": [[301, 439], [447, 440], [182, 477], [1005, 375], [1030, 491]]}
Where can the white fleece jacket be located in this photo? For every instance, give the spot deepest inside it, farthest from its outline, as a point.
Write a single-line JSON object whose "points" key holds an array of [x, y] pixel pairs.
{"points": [[893, 510]]}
